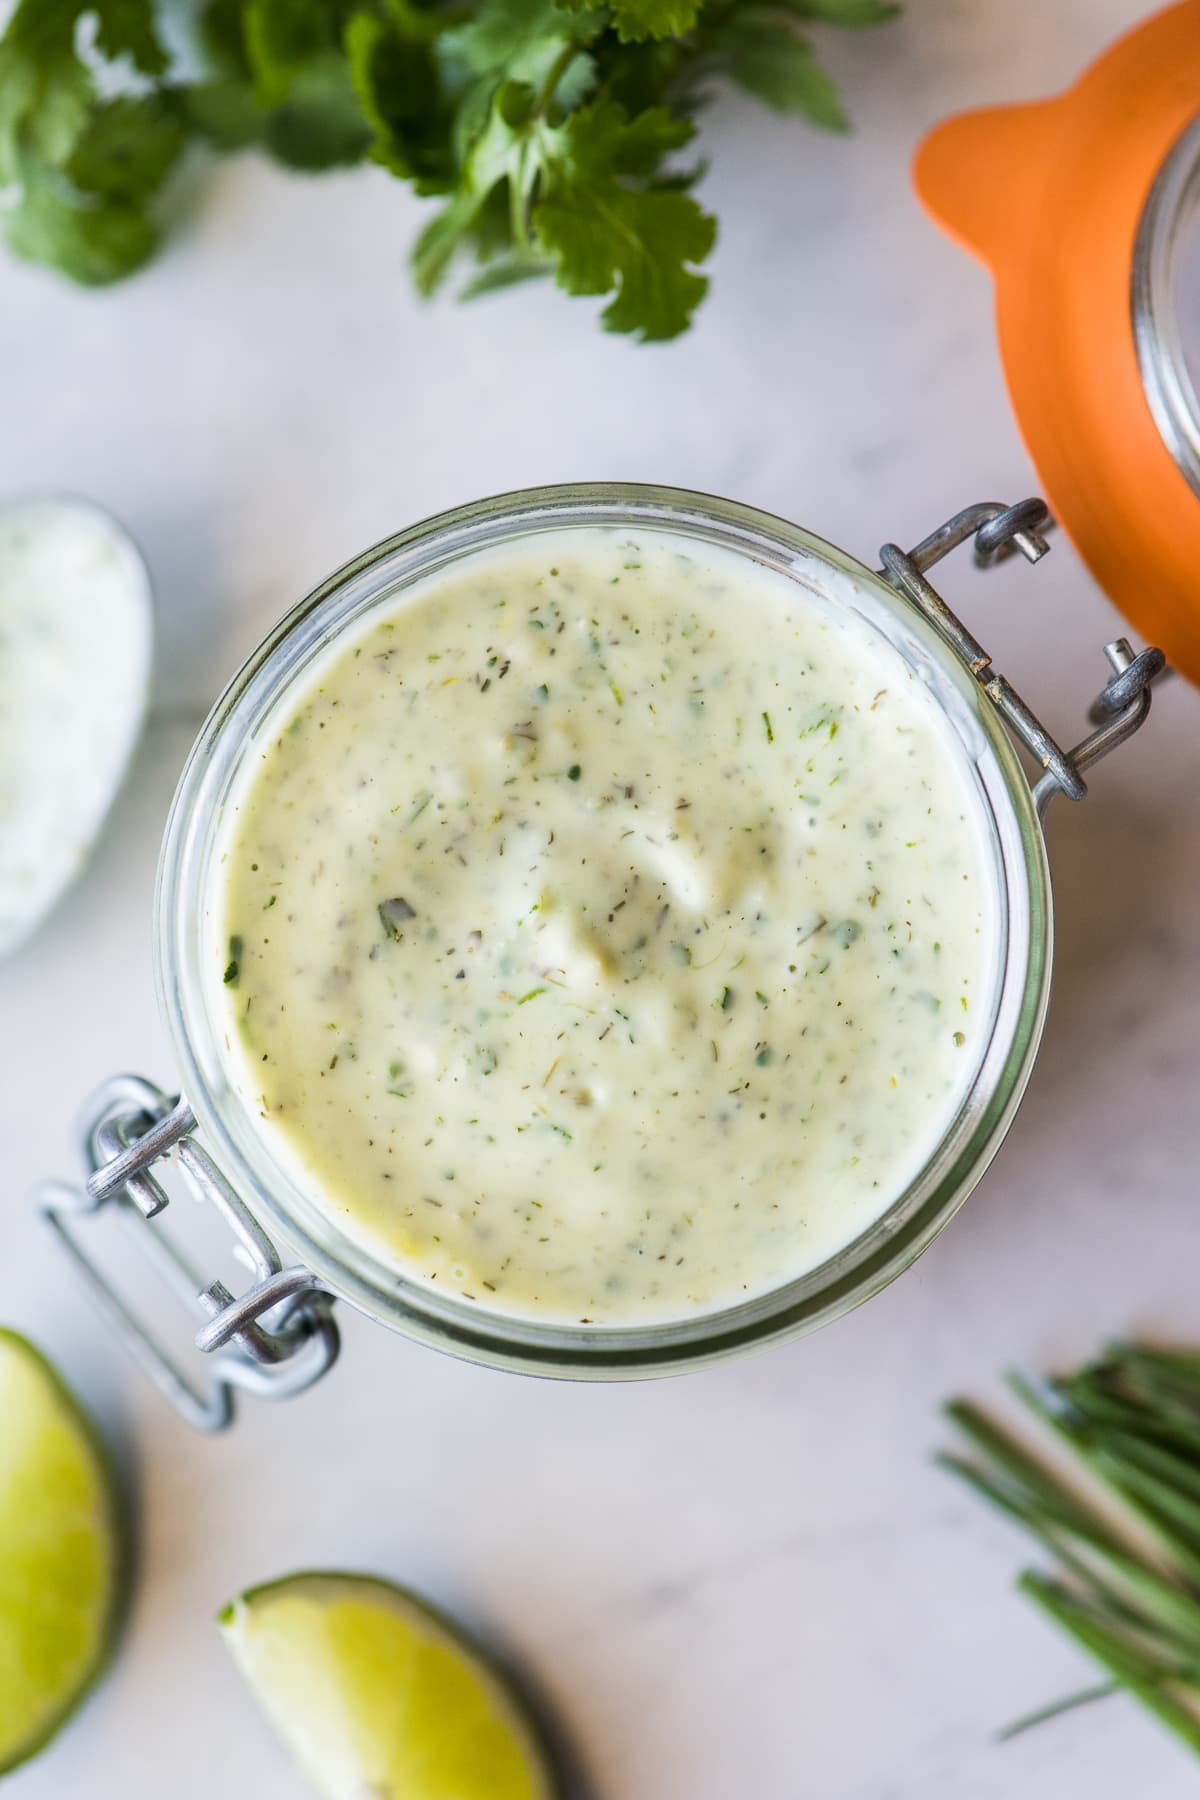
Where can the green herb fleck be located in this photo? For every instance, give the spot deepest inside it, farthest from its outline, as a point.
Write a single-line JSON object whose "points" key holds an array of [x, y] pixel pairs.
{"points": [[233, 967], [766, 718], [393, 914], [574, 772]]}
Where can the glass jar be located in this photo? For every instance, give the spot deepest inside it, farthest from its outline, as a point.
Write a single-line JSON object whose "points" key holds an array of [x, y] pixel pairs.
{"points": [[1085, 206], [279, 1336], [1166, 301]]}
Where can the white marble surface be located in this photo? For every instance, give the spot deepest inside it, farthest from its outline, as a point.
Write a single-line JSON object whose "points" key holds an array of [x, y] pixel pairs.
{"points": [[747, 1584]]}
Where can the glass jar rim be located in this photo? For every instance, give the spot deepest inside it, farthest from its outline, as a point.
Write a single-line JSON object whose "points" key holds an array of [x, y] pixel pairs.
{"points": [[343, 1263], [1167, 357]]}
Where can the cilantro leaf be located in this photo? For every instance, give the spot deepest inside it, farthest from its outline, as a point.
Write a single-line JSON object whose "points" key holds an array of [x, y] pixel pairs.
{"points": [[222, 105], [605, 223], [520, 40], [94, 241], [504, 272], [637, 20], [319, 124], [847, 13], [222, 34], [638, 76], [127, 148], [399, 89], [439, 243], [489, 210], [483, 226], [284, 37], [46, 93], [641, 243], [224, 111], [512, 63], [603, 139], [763, 54], [127, 28], [84, 166], [278, 76]]}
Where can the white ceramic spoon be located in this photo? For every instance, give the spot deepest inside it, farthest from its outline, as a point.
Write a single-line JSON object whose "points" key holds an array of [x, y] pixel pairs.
{"points": [[75, 642]]}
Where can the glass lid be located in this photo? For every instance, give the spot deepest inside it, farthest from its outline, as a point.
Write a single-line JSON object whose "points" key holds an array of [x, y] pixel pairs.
{"points": [[1166, 301]]}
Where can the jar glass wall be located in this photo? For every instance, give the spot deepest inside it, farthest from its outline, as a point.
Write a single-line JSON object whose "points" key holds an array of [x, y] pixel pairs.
{"points": [[1166, 301]]}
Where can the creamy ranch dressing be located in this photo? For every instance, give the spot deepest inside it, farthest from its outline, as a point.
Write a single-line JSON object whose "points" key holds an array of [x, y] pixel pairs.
{"points": [[606, 931], [74, 665]]}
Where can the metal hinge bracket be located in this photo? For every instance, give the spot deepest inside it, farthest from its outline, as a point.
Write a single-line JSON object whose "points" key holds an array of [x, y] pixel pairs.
{"points": [[273, 1341], [1122, 705]]}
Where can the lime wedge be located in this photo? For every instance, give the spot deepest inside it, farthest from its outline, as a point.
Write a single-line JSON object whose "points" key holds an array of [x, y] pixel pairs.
{"points": [[375, 1694], [60, 1552]]}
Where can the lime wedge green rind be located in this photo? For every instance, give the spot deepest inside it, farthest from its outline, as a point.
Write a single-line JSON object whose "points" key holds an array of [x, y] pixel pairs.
{"points": [[63, 1554], [375, 1692]]}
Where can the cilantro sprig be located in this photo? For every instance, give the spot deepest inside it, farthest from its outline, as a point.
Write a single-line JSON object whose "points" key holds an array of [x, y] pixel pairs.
{"points": [[552, 134]]}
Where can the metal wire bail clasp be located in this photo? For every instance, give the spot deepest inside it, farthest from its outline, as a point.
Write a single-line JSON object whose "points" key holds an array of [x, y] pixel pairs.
{"points": [[273, 1341], [1123, 703]]}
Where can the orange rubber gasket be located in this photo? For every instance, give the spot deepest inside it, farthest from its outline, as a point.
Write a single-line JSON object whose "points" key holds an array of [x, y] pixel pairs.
{"points": [[1049, 197]]}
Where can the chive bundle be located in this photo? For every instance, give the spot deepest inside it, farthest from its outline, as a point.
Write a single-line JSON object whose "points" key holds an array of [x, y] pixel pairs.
{"points": [[1123, 1527]]}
